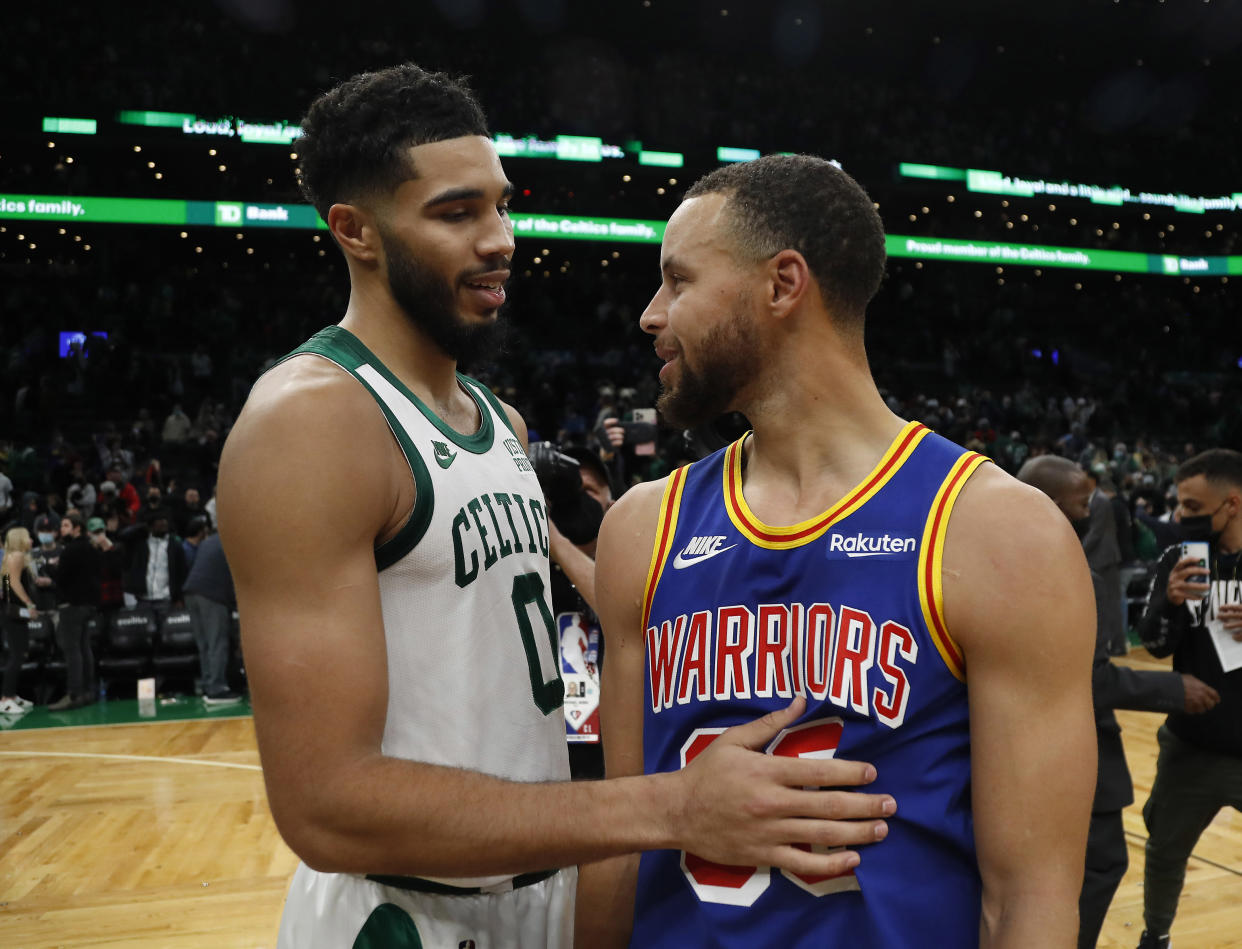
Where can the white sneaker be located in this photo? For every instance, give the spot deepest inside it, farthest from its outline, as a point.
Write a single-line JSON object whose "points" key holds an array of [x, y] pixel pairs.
{"points": [[11, 707], [24, 703]]}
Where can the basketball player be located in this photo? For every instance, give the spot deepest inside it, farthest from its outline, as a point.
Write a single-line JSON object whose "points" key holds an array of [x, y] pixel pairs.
{"points": [[389, 545], [936, 614]]}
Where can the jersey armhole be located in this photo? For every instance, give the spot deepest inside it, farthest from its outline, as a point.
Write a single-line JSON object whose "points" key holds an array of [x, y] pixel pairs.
{"points": [[412, 531], [931, 562], [490, 397], [670, 507]]}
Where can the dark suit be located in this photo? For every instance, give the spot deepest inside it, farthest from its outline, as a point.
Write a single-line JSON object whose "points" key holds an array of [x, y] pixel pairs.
{"points": [[1104, 557], [1114, 687], [138, 555]]}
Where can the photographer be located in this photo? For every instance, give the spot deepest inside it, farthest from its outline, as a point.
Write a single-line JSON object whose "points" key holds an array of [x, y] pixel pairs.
{"points": [[576, 487], [1197, 618]]}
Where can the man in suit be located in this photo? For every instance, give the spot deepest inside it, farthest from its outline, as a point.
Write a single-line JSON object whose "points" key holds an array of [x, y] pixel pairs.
{"points": [[1103, 549], [1112, 687]]}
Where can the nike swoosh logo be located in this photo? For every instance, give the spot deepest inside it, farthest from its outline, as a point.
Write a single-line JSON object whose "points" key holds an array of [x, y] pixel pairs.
{"points": [[445, 460], [681, 561]]}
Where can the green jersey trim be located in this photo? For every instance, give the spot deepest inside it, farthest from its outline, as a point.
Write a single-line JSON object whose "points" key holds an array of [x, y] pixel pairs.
{"points": [[353, 349], [412, 531], [495, 402]]}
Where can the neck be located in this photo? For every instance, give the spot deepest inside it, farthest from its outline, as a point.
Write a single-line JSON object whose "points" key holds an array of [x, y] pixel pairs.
{"points": [[1231, 537], [384, 328], [823, 420]]}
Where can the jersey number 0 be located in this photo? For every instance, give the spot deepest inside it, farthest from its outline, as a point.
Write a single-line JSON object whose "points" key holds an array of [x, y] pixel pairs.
{"points": [[547, 690]]}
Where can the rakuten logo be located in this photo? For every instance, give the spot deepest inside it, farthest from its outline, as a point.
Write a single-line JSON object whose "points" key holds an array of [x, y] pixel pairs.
{"points": [[870, 545]]}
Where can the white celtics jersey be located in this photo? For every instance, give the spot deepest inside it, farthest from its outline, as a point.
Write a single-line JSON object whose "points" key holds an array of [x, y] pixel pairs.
{"points": [[473, 671]]}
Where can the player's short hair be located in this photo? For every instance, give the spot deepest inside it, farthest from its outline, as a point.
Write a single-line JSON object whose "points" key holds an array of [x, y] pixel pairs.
{"points": [[355, 136], [1220, 466], [807, 204]]}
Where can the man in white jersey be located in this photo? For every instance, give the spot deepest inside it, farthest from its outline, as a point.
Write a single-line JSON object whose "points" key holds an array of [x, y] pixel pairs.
{"points": [[398, 638]]}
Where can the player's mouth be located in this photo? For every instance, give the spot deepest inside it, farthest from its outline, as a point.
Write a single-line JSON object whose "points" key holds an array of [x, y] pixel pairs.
{"points": [[669, 356], [489, 288]]}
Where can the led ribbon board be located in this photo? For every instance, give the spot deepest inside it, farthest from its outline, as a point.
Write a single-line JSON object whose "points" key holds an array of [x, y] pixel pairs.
{"points": [[1073, 258], [240, 214], [993, 182]]}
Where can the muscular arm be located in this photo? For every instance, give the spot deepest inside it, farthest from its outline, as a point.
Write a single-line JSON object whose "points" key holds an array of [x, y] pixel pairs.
{"points": [[1018, 599], [308, 482], [310, 479]]}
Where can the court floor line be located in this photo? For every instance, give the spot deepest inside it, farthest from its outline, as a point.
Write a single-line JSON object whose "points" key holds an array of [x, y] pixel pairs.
{"points": [[1194, 856], [88, 754]]}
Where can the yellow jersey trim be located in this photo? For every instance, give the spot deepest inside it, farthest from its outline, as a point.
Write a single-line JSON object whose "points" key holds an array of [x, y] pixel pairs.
{"points": [[786, 538], [931, 562]]}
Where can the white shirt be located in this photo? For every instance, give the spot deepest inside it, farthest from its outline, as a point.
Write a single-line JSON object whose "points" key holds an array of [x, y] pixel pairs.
{"points": [[6, 492], [157, 568]]}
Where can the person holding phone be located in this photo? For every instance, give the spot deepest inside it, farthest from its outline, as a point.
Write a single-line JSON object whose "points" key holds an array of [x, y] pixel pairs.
{"points": [[1194, 613]]}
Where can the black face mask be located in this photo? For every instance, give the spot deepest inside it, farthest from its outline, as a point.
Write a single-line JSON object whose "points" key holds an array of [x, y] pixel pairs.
{"points": [[1199, 526]]}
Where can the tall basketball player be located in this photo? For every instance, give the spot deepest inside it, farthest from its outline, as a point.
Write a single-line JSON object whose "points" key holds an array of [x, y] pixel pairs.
{"points": [[389, 544], [935, 613]]}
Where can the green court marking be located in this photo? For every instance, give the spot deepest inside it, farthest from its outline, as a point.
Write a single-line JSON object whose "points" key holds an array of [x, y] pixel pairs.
{"points": [[124, 712]]}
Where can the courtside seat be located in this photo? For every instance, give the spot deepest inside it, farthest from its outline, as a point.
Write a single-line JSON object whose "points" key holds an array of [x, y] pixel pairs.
{"points": [[126, 647], [44, 668], [176, 653]]}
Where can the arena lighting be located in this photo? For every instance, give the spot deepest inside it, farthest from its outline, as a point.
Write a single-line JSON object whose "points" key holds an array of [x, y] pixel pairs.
{"points": [[663, 159], [728, 154], [994, 182], [69, 126]]}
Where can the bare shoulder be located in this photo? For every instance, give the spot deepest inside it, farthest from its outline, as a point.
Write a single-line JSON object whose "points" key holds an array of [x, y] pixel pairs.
{"points": [[1010, 555], [626, 541], [517, 423], [307, 439]]}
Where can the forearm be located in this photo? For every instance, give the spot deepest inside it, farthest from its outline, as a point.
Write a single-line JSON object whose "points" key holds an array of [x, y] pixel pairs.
{"points": [[604, 913], [577, 566], [1030, 919], [391, 816], [1162, 624]]}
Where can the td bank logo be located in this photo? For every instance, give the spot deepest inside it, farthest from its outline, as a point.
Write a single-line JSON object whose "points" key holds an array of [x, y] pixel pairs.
{"points": [[228, 214], [1171, 265]]}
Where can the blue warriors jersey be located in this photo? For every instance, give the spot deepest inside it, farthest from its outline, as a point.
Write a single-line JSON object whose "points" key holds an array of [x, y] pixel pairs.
{"points": [[845, 609]]}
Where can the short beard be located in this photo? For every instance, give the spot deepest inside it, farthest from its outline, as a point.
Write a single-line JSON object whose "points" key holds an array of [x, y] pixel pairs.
{"points": [[427, 301], [729, 359]]}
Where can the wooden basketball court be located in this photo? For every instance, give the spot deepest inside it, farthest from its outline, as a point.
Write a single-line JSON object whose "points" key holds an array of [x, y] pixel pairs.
{"points": [[158, 834]]}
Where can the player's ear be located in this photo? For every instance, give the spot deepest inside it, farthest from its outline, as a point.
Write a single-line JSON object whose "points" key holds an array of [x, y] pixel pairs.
{"points": [[353, 228], [789, 279]]}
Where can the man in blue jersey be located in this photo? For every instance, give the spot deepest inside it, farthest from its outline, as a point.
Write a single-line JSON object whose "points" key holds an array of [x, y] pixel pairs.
{"points": [[408, 704], [935, 613]]}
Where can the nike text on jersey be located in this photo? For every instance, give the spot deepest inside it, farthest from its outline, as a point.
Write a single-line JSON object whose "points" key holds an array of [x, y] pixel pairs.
{"points": [[700, 549]]}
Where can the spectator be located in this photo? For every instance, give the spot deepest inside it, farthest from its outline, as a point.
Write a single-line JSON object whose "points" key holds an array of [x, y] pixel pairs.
{"points": [[19, 607], [45, 558], [155, 568], [1199, 769], [195, 533], [6, 496], [78, 580], [209, 596], [111, 565], [125, 493], [1112, 687], [176, 426], [1104, 557], [186, 508]]}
